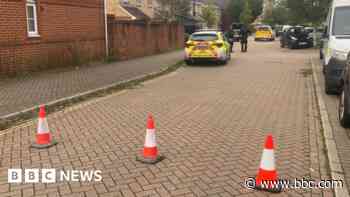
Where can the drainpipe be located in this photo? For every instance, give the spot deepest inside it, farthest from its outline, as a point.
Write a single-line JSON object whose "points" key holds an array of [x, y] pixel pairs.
{"points": [[106, 27], [194, 8]]}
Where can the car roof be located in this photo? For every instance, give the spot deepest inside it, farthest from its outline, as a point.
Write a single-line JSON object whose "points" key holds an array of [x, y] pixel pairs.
{"points": [[259, 26], [207, 32]]}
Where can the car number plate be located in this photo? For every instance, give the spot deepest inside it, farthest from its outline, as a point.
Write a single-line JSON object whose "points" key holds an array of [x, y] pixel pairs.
{"points": [[202, 46], [303, 43]]}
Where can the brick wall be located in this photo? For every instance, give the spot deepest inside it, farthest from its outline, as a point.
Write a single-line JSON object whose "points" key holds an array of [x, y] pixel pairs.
{"points": [[71, 32], [129, 39]]}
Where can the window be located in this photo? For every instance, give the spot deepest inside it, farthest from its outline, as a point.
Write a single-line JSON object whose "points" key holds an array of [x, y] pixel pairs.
{"points": [[32, 20], [341, 23], [204, 37]]}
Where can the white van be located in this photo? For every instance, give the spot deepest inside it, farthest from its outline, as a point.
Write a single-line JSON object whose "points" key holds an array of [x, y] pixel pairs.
{"points": [[336, 44]]}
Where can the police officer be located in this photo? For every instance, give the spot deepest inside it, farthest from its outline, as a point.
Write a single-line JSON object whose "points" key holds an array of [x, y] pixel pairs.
{"points": [[229, 36], [244, 38]]}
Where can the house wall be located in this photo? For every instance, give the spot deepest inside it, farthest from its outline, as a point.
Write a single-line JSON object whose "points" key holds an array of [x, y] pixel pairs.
{"points": [[71, 32], [130, 39]]}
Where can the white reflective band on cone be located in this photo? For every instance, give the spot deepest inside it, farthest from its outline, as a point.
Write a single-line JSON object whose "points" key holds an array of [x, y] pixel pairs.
{"points": [[150, 138], [43, 127], [268, 160]]}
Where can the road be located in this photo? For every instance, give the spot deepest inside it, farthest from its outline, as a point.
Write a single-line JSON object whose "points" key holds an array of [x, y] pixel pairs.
{"points": [[211, 123]]}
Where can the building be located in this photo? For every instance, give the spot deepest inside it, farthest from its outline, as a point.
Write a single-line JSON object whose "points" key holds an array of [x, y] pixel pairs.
{"points": [[198, 5], [35, 34], [132, 9]]}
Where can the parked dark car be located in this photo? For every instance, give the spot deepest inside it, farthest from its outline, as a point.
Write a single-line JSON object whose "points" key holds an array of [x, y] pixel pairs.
{"points": [[296, 37], [309, 30], [344, 99]]}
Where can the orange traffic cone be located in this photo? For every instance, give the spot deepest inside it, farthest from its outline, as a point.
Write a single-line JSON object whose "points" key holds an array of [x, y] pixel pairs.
{"points": [[43, 136], [267, 178], [150, 154]]}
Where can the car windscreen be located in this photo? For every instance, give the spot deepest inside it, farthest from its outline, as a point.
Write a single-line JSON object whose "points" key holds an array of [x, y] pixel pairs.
{"points": [[204, 37], [263, 29], [341, 22]]}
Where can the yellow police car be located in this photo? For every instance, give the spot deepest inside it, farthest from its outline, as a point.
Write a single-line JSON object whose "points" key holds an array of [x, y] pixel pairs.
{"points": [[207, 45], [264, 32]]}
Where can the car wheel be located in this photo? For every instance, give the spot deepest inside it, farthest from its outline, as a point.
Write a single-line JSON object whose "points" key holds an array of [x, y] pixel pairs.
{"points": [[290, 46], [329, 89], [321, 55], [224, 62], [343, 108], [282, 45], [189, 62]]}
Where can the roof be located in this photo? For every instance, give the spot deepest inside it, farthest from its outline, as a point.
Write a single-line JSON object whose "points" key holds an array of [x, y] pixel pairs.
{"points": [[220, 3], [137, 13]]}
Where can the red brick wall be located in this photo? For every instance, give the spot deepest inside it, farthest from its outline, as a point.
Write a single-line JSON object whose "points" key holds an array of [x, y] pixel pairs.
{"points": [[129, 39], [71, 31]]}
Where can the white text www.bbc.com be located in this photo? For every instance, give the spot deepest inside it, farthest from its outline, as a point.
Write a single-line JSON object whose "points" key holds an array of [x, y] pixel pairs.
{"points": [[250, 183]]}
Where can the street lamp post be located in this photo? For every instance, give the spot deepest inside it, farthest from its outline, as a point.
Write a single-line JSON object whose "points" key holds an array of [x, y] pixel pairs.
{"points": [[194, 8]]}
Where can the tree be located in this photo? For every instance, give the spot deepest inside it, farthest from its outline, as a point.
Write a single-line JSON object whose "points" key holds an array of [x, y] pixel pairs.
{"points": [[236, 7], [209, 15], [246, 16], [298, 12], [308, 11], [172, 10], [279, 15], [256, 7]]}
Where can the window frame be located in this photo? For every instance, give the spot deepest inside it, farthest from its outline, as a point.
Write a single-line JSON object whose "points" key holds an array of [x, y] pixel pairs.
{"points": [[32, 4]]}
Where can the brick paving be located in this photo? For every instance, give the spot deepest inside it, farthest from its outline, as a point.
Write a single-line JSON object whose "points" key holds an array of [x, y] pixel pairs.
{"points": [[341, 135], [24, 92], [211, 123]]}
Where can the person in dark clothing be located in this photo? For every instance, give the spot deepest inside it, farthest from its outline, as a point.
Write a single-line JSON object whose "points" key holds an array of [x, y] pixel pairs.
{"points": [[244, 38], [229, 36]]}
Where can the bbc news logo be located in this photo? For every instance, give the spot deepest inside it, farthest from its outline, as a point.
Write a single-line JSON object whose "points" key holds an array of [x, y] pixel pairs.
{"points": [[52, 176]]}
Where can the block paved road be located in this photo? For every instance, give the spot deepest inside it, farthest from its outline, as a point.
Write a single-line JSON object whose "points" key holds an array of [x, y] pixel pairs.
{"points": [[20, 93], [211, 125]]}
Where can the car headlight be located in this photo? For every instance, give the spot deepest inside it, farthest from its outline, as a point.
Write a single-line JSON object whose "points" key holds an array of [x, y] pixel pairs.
{"points": [[293, 38], [340, 55]]}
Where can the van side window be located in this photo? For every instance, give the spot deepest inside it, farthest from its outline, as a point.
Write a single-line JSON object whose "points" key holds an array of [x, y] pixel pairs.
{"points": [[341, 23]]}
